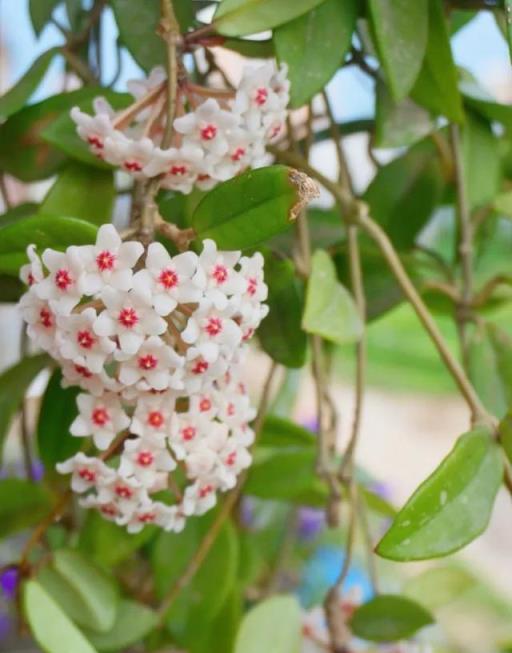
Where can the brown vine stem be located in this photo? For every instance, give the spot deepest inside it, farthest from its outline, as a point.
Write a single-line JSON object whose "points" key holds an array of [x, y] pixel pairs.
{"points": [[231, 500]]}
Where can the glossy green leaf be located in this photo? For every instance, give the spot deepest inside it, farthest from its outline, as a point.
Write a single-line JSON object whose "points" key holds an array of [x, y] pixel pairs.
{"points": [[505, 434], [61, 133], [399, 124], [242, 17], [439, 586], [249, 209], [481, 161], [43, 231], [388, 618], [281, 432], [51, 628], [436, 87], [257, 48], [310, 67], [137, 23], [503, 204], [40, 13], [17, 212], [14, 382], [220, 636], [273, 626], [81, 192], [133, 622], [479, 100], [280, 333], [452, 507], [14, 99], [330, 311], [58, 410], [22, 504], [401, 32], [24, 154], [95, 589]]}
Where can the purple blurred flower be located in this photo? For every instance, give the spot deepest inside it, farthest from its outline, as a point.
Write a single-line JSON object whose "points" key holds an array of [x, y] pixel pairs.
{"points": [[247, 511], [6, 624], [310, 522], [9, 583]]}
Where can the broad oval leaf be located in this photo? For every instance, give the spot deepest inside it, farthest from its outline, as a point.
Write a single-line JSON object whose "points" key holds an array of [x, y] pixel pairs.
{"points": [[481, 161], [51, 628], [137, 22], [310, 67], [451, 507], [42, 231], [249, 209], [273, 626], [330, 311], [280, 333], [401, 31], [281, 432], [242, 17], [133, 622], [22, 504], [40, 13], [389, 617], [95, 588], [439, 586], [13, 385]]}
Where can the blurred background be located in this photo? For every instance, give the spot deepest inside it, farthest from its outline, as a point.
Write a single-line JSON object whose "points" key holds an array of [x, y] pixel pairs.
{"points": [[412, 415]]}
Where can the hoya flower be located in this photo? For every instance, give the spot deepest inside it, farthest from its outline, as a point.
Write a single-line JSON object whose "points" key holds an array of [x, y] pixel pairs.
{"points": [[179, 166], [208, 126], [131, 155], [152, 416], [166, 282], [143, 460], [155, 367], [221, 278], [210, 331], [80, 375], [186, 431], [32, 272], [86, 472], [78, 342], [108, 262], [198, 372], [126, 493], [41, 321], [100, 417], [203, 404], [62, 287], [108, 509], [94, 129], [129, 318], [199, 498], [141, 87], [232, 459]]}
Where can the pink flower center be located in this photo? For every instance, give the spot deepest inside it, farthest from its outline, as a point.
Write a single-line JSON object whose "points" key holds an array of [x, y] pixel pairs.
{"points": [[188, 433], [155, 418], [83, 371], [100, 416], [261, 96], [275, 130], [31, 279], [132, 166], [128, 317], [168, 278], [220, 273], [87, 474], [46, 318], [148, 362], [252, 285], [63, 279], [208, 132], [213, 326], [95, 141], [205, 404], [105, 260], [123, 491], [203, 177], [231, 409], [248, 334], [238, 154], [231, 459], [178, 170], [146, 517], [85, 339], [200, 367], [205, 491], [145, 458], [109, 510]]}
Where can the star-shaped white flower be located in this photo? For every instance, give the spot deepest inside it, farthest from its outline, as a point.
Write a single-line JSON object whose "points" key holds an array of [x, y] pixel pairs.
{"points": [[62, 287], [133, 156], [144, 460], [95, 129], [100, 417], [87, 472], [32, 272], [211, 332], [78, 342], [152, 416], [209, 126], [156, 366]]}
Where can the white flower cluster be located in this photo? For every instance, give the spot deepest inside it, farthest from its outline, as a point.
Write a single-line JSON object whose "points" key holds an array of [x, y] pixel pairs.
{"points": [[219, 137], [157, 348]]}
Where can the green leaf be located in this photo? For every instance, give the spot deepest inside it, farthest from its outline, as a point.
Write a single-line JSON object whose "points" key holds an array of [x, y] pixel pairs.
{"points": [[51, 628], [401, 32], [281, 432], [503, 204], [71, 194], [481, 102], [310, 67], [259, 49], [58, 410], [273, 626], [40, 13], [13, 385], [389, 618], [436, 87], [133, 622], [481, 161], [18, 212], [249, 209], [508, 18], [95, 589], [242, 17], [24, 154], [452, 507], [221, 634], [137, 22], [505, 433], [14, 99], [22, 504], [399, 124], [43, 231], [404, 194], [11, 288], [330, 310], [61, 132], [439, 586], [280, 333]]}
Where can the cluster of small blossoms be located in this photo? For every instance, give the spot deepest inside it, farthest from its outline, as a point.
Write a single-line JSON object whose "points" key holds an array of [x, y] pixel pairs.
{"points": [[157, 348], [315, 635], [217, 133]]}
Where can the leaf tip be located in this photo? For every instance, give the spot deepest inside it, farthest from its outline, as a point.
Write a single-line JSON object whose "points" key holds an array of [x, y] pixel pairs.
{"points": [[306, 189]]}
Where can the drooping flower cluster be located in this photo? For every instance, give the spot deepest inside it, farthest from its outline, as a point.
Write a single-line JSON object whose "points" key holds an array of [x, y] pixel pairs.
{"points": [[157, 348], [217, 133]]}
